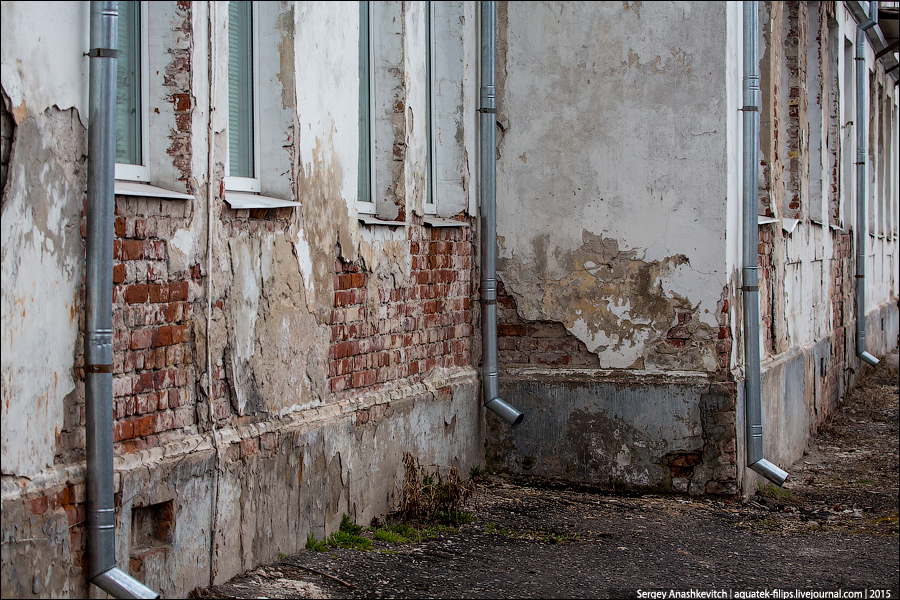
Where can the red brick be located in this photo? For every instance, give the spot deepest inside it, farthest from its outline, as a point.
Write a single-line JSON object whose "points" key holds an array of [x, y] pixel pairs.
{"points": [[510, 329], [164, 379], [39, 505], [178, 291], [132, 250], [143, 383], [140, 339], [679, 333], [118, 273], [123, 430], [144, 426], [135, 294], [182, 102], [162, 336]]}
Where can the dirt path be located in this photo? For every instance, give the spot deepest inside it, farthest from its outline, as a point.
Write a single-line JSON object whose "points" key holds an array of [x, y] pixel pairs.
{"points": [[833, 526]]}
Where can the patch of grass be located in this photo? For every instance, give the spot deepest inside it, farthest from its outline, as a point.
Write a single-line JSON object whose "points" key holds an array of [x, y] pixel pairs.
{"points": [[348, 536], [454, 517], [342, 539], [550, 537], [313, 544], [384, 535], [775, 493], [348, 526], [476, 472]]}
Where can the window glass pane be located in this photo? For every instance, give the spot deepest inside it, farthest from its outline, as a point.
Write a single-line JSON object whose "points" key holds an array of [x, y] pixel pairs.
{"points": [[365, 172], [240, 90], [128, 85]]}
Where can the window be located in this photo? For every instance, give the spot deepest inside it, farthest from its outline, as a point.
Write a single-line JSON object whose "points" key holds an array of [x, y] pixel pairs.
{"points": [[243, 115], [365, 202], [430, 205], [132, 76]]}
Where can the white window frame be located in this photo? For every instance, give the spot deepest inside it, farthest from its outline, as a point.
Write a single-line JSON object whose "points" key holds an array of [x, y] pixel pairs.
{"points": [[363, 206], [249, 184], [141, 172], [430, 202]]}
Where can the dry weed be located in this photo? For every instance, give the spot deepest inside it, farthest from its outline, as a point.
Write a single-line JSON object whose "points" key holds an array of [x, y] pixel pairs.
{"points": [[430, 495]]}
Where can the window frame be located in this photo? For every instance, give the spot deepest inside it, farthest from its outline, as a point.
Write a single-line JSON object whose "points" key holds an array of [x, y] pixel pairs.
{"points": [[363, 205], [430, 202], [141, 172], [249, 184]]}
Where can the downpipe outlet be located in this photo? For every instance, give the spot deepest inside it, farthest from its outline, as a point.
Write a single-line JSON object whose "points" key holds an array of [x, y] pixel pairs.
{"points": [[506, 412], [770, 471], [121, 585], [488, 110]]}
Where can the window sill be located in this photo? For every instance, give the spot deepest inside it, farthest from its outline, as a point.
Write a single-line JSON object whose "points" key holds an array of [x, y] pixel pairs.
{"points": [[760, 220], [370, 220], [244, 200], [788, 225], [440, 222], [145, 190]]}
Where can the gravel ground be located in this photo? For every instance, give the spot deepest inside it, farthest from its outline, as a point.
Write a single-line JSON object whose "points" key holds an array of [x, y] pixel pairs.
{"points": [[834, 526]]}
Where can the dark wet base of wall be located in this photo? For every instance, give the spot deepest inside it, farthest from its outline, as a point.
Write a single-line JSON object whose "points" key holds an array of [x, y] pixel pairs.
{"points": [[617, 430]]}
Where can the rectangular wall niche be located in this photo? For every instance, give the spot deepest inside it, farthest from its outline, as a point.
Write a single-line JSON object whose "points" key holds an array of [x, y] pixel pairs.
{"points": [[152, 530]]}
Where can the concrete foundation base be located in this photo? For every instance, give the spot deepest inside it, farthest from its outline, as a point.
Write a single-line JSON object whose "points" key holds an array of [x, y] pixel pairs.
{"points": [[261, 491]]}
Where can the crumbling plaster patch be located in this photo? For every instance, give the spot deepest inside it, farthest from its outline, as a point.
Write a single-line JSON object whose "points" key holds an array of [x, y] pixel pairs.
{"points": [[42, 258], [272, 338], [620, 306]]}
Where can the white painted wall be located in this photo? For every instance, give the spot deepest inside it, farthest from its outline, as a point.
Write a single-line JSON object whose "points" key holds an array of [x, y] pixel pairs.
{"points": [[598, 140], [43, 64], [42, 67]]}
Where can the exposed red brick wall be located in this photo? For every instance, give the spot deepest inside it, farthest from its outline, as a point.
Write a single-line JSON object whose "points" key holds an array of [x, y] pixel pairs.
{"points": [[153, 310], [768, 285], [382, 333], [797, 168], [523, 342]]}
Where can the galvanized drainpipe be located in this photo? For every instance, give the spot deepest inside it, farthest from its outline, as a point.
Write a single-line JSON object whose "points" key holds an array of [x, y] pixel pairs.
{"points": [[488, 110], [750, 274], [101, 514], [861, 223]]}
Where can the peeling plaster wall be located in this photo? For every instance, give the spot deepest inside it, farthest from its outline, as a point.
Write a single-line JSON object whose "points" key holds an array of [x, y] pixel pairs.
{"points": [[40, 233], [629, 203], [238, 429]]}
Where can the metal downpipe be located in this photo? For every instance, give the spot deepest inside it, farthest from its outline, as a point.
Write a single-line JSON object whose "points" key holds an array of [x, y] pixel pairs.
{"points": [[750, 271], [861, 222], [98, 361], [488, 111]]}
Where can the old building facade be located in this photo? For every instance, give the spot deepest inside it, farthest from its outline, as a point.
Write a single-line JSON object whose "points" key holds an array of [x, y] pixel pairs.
{"points": [[296, 261]]}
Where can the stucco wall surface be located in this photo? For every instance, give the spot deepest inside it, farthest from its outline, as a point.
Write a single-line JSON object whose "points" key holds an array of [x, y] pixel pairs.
{"points": [[40, 232], [611, 196]]}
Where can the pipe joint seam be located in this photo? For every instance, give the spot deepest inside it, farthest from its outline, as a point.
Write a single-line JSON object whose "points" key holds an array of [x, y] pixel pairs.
{"points": [[102, 53]]}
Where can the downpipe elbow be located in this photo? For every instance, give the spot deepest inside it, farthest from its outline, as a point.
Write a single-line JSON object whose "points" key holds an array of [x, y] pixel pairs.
{"points": [[119, 584], [770, 471]]}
